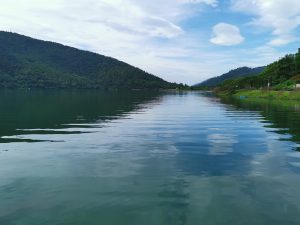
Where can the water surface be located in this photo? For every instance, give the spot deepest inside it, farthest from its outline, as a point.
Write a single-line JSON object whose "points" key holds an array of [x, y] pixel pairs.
{"points": [[73, 158]]}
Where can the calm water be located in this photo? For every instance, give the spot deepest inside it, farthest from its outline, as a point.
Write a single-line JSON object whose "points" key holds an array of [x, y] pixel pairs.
{"points": [[92, 158]]}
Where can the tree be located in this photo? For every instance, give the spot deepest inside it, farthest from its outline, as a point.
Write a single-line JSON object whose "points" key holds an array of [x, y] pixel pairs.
{"points": [[297, 62]]}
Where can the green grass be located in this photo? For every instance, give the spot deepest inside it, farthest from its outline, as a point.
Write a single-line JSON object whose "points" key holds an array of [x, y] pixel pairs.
{"points": [[278, 95]]}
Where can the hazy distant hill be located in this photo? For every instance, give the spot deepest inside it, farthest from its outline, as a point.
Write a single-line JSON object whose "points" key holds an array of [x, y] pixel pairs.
{"points": [[29, 63], [239, 72]]}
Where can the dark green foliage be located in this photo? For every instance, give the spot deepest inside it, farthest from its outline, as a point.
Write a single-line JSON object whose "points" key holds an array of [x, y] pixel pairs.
{"points": [[232, 85], [31, 63], [283, 69], [288, 85], [279, 75], [236, 73], [297, 62]]}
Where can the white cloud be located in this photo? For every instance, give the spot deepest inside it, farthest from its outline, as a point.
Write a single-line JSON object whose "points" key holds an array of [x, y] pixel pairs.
{"points": [[140, 32], [282, 40], [213, 3], [226, 34], [282, 16], [147, 34]]}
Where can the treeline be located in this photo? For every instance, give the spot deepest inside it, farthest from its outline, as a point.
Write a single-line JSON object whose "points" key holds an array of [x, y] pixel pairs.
{"points": [[232, 74], [283, 74], [29, 63]]}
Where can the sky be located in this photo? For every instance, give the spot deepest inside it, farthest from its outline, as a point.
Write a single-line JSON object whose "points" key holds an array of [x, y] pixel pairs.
{"points": [[184, 41]]}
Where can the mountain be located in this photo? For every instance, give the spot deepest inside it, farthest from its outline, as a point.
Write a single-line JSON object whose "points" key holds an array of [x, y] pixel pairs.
{"points": [[239, 72], [281, 75], [29, 63]]}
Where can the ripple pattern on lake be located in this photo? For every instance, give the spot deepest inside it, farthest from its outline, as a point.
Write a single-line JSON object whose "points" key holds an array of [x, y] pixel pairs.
{"points": [[147, 158]]}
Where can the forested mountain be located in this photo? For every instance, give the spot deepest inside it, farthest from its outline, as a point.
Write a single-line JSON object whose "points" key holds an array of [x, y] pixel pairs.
{"points": [[239, 72], [283, 74], [29, 63]]}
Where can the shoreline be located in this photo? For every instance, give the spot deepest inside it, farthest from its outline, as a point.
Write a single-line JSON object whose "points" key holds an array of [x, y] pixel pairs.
{"points": [[263, 94]]}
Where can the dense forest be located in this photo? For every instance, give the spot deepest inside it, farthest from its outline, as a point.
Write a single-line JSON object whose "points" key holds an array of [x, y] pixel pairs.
{"points": [[236, 73], [29, 63], [283, 74]]}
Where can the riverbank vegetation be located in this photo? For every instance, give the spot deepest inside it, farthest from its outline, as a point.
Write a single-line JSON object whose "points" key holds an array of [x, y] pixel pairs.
{"points": [[280, 79], [268, 94]]}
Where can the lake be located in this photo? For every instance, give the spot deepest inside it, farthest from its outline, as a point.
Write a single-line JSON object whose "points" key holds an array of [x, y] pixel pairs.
{"points": [[147, 158]]}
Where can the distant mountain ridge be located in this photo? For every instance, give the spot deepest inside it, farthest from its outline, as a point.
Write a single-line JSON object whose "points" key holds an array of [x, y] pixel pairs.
{"points": [[29, 63], [239, 72]]}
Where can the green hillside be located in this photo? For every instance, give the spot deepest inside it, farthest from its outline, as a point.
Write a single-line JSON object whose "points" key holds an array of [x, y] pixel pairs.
{"points": [[29, 63], [281, 75], [239, 72]]}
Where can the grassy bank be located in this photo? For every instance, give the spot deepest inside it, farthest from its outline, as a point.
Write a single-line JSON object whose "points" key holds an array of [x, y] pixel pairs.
{"points": [[266, 94]]}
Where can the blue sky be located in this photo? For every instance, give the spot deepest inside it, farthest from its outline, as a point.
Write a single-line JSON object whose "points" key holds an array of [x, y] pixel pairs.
{"points": [[179, 40]]}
